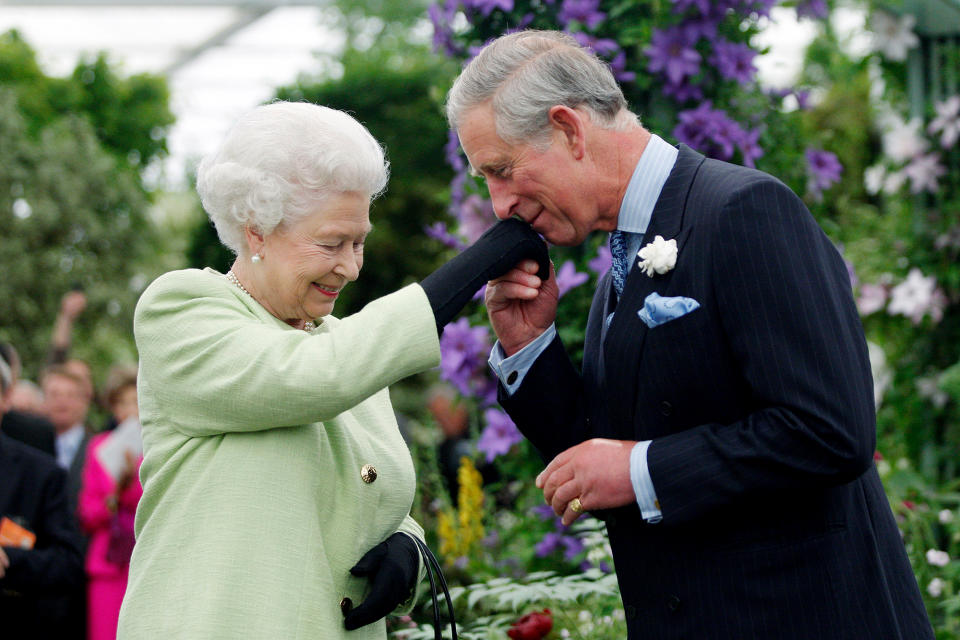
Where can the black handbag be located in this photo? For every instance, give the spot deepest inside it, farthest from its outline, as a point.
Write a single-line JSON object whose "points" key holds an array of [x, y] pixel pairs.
{"points": [[436, 576]]}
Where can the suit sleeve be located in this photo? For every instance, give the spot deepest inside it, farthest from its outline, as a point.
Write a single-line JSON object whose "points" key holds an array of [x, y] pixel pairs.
{"points": [[549, 408], [788, 315], [55, 564]]}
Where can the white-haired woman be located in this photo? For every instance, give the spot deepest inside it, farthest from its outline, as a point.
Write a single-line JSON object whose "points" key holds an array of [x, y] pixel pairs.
{"points": [[277, 487]]}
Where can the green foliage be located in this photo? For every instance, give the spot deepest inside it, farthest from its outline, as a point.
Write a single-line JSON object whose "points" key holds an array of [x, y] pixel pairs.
{"points": [[73, 207]]}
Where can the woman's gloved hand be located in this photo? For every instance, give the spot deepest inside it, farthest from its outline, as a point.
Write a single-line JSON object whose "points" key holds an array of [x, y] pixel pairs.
{"points": [[392, 568], [494, 253]]}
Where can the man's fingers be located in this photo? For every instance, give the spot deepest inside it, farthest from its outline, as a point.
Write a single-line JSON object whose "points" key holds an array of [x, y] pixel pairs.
{"points": [[558, 477], [558, 461]]}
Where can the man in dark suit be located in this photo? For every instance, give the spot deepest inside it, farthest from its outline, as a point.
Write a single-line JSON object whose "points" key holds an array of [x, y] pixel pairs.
{"points": [[39, 579], [723, 422], [34, 430]]}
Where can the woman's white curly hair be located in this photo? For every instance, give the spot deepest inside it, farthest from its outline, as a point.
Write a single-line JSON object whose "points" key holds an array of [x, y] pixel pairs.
{"points": [[279, 161]]}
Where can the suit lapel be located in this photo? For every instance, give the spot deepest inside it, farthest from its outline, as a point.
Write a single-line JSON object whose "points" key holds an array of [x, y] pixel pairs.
{"points": [[623, 343]]}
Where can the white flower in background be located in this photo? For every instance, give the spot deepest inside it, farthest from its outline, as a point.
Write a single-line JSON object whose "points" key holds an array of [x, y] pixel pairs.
{"points": [[929, 388], [923, 171], [903, 464], [22, 209], [893, 36], [894, 181], [938, 558], [945, 516], [947, 121], [883, 468], [903, 141], [935, 588], [873, 179], [658, 256], [873, 297], [882, 377], [916, 296]]}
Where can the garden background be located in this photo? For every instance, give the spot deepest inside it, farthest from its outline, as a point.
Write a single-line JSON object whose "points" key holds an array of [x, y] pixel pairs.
{"points": [[868, 135]]}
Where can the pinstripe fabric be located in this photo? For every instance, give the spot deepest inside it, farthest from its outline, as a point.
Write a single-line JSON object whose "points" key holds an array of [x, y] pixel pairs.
{"points": [[760, 408]]}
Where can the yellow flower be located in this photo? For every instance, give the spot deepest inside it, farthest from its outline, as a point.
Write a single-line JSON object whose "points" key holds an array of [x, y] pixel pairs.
{"points": [[461, 530]]}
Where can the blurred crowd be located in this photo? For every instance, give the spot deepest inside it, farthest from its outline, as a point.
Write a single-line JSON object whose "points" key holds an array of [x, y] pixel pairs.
{"points": [[69, 489]]}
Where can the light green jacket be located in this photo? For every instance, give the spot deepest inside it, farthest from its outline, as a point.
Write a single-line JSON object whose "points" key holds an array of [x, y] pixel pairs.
{"points": [[253, 507]]}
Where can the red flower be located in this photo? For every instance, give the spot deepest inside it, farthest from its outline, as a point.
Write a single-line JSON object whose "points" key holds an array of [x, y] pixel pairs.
{"points": [[909, 505], [532, 626], [877, 456]]}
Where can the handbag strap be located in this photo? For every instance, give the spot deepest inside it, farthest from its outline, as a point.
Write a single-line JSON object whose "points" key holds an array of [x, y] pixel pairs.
{"points": [[434, 567]]}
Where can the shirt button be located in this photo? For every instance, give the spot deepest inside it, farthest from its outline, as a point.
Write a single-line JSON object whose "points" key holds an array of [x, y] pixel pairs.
{"points": [[512, 377], [345, 606], [368, 473], [666, 408]]}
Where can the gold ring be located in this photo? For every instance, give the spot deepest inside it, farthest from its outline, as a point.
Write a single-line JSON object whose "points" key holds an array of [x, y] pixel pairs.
{"points": [[575, 506]]}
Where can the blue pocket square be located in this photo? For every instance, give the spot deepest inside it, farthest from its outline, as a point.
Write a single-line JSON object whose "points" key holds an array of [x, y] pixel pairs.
{"points": [[657, 309]]}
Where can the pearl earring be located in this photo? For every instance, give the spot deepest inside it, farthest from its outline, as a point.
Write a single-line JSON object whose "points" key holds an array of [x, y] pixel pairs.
{"points": [[255, 258]]}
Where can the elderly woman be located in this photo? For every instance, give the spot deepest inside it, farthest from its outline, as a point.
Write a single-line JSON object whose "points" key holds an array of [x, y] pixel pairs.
{"points": [[276, 485]]}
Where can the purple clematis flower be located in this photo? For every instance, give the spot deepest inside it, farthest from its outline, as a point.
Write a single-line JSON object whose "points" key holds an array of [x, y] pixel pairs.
{"points": [[734, 60], [618, 66], [703, 6], [750, 148], [550, 543], [451, 152], [569, 278], [443, 37], [438, 231], [603, 47], [486, 7], [476, 216], [586, 12], [601, 263], [464, 351], [683, 92], [499, 435], [824, 169], [713, 132], [671, 53]]}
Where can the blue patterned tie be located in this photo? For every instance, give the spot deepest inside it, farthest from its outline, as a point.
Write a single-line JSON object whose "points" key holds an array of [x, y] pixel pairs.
{"points": [[618, 250]]}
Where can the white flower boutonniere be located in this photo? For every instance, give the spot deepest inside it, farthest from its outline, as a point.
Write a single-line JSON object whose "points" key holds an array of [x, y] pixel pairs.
{"points": [[659, 256]]}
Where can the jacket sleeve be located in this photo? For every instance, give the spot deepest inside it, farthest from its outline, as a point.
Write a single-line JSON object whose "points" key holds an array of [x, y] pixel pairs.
{"points": [[55, 564], [789, 317], [549, 407], [231, 369]]}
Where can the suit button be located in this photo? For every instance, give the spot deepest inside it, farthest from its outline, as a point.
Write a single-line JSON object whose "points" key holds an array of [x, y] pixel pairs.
{"points": [[631, 611], [673, 603], [368, 473], [666, 408], [512, 377], [345, 606]]}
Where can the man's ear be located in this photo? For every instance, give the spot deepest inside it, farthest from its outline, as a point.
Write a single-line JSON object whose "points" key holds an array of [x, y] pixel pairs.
{"points": [[571, 125]]}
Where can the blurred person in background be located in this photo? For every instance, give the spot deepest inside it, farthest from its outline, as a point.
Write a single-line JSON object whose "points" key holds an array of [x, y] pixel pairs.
{"points": [[67, 402], [277, 486], [29, 427], [72, 305], [27, 397], [108, 502], [41, 562]]}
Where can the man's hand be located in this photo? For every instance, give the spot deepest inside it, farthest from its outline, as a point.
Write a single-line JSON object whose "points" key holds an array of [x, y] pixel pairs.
{"points": [[596, 471], [521, 306], [72, 304], [4, 563]]}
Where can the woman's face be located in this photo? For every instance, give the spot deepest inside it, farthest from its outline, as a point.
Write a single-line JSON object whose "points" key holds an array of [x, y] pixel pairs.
{"points": [[305, 264]]}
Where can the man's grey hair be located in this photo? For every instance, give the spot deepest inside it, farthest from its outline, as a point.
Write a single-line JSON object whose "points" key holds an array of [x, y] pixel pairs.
{"points": [[280, 161], [523, 74]]}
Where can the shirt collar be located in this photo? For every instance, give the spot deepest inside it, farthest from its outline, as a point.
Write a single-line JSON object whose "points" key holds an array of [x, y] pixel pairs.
{"points": [[651, 173], [67, 444]]}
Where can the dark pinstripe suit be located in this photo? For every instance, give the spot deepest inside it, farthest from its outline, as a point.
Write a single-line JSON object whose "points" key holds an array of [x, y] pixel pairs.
{"points": [[760, 408]]}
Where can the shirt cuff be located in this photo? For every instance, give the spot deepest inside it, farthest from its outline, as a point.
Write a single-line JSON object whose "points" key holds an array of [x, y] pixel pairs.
{"points": [[511, 371], [643, 484]]}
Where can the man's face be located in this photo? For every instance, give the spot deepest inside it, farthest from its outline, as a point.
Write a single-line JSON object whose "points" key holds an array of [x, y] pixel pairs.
{"points": [[547, 189], [66, 401]]}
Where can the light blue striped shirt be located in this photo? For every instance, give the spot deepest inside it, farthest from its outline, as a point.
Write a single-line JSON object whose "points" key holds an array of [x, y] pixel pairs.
{"points": [[651, 173]]}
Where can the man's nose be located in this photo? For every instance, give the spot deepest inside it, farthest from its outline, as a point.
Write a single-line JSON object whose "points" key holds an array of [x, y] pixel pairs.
{"points": [[503, 200]]}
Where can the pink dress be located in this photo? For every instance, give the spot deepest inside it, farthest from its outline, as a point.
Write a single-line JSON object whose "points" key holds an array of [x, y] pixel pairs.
{"points": [[111, 538]]}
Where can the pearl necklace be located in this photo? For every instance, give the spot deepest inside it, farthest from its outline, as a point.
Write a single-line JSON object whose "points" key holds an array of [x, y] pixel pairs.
{"points": [[232, 277]]}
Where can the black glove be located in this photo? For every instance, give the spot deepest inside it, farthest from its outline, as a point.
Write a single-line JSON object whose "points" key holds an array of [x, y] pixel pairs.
{"points": [[494, 253], [392, 567]]}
